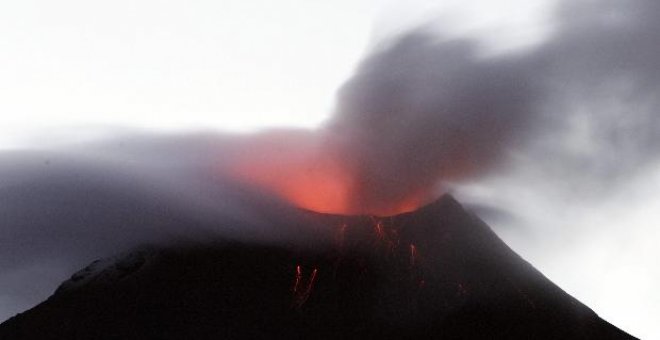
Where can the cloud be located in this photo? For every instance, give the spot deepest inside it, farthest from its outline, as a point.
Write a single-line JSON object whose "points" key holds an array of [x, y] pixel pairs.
{"points": [[60, 209]]}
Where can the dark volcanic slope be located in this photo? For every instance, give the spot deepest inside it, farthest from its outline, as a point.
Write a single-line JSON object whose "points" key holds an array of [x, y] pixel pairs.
{"points": [[438, 272]]}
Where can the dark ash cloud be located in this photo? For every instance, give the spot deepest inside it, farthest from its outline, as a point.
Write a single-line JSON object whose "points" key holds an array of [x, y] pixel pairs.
{"points": [[424, 111]]}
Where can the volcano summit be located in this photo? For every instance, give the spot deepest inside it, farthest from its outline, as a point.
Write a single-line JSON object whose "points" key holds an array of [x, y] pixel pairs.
{"points": [[438, 272]]}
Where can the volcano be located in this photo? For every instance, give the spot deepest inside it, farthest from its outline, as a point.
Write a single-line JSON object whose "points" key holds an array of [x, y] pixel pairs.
{"points": [[437, 272]]}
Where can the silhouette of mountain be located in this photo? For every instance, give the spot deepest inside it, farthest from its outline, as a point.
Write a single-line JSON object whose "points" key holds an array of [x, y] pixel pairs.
{"points": [[438, 272]]}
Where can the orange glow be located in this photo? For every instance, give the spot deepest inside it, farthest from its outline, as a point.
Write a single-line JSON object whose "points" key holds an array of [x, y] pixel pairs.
{"points": [[292, 167], [379, 230], [298, 167], [301, 296], [314, 187], [298, 278], [413, 255]]}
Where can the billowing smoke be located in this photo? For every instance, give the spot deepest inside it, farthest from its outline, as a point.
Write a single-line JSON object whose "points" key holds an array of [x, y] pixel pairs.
{"points": [[425, 111], [418, 113]]}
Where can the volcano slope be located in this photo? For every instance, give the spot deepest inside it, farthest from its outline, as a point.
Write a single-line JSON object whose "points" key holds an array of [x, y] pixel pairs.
{"points": [[438, 272]]}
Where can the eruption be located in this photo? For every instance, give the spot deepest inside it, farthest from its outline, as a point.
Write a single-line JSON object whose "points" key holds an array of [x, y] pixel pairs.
{"points": [[296, 166], [305, 169], [415, 116], [420, 113]]}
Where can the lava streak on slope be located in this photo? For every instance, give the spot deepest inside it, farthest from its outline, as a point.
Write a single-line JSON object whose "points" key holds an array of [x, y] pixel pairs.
{"points": [[300, 296]]}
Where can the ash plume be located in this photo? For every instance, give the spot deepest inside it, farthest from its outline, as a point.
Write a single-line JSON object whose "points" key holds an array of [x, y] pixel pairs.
{"points": [[427, 111], [424, 111]]}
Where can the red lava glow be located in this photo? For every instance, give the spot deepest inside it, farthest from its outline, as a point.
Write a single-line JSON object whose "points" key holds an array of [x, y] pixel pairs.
{"points": [[386, 236], [312, 279], [298, 279], [379, 230], [298, 167], [291, 166], [413, 255], [301, 296]]}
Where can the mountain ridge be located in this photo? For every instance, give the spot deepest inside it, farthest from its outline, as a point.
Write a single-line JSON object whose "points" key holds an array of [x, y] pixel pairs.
{"points": [[437, 272]]}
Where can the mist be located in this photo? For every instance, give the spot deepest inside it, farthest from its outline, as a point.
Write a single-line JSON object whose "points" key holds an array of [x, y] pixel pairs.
{"points": [[63, 207]]}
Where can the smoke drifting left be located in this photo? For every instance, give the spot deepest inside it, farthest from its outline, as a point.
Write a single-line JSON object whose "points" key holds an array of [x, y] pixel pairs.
{"points": [[423, 111]]}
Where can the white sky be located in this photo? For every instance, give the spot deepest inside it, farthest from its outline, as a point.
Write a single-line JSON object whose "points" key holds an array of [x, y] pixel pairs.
{"points": [[232, 65]]}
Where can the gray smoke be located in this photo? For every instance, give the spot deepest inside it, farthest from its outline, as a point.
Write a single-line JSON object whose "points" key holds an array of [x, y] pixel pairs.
{"points": [[426, 110], [557, 145], [62, 209]]}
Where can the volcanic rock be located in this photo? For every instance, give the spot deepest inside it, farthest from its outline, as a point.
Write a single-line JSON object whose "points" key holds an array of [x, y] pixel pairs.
{"points": [[438, 272]]}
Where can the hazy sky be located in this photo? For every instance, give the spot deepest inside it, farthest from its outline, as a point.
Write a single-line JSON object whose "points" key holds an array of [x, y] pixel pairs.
{"points": [[579, 199], [231, 65]]}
